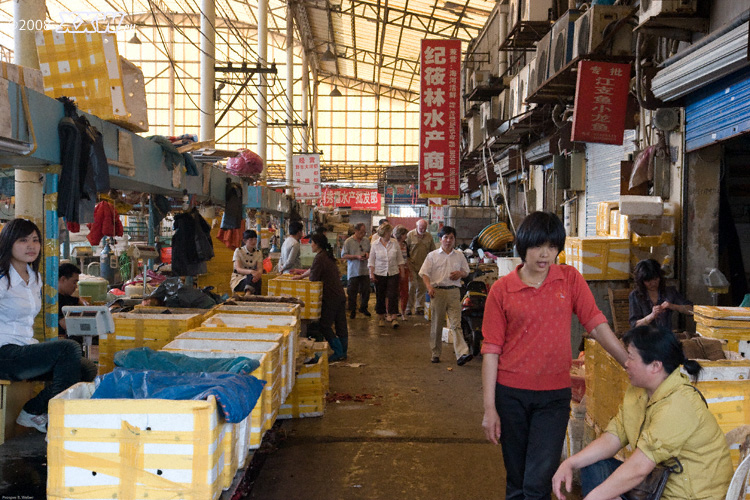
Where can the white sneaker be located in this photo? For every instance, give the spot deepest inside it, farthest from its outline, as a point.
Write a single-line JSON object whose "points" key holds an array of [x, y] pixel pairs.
{"points": [[38, 422]]}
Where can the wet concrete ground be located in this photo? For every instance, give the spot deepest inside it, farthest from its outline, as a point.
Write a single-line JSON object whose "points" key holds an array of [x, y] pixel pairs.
{"points": [[419, 437]]}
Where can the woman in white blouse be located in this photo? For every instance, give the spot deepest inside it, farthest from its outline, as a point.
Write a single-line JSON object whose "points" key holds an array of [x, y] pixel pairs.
{"points": [[248, 265], [21, 356], [386, 264]]}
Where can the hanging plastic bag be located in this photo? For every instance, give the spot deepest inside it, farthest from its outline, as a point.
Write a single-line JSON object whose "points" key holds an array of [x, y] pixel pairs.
{"points": [[245, 164], [643, 170]]}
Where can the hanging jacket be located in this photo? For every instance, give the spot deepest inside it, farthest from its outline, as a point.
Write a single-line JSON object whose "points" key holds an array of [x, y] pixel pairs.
{"points": [[106, 223], [191, 243], [84, 165], [232, 217]]}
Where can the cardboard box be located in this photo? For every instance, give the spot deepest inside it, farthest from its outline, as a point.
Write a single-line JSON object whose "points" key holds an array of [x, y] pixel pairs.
{"points": [[603, 217], [28, 77], [599, 257], [310, 292], [134, 448], [639, 206], [619, 225]]}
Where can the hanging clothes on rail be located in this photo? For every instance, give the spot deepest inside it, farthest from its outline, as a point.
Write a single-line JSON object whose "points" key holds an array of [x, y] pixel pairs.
{"points": [[191, 244], [84, 165]]}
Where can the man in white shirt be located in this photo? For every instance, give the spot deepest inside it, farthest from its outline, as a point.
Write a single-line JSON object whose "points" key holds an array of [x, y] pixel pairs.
{"points": [[356, 251], [290, 250], [442, 272], [419, 243]]}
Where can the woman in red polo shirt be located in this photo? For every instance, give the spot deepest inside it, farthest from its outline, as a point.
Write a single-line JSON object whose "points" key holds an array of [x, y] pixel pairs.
{"points": [[527, 356]]}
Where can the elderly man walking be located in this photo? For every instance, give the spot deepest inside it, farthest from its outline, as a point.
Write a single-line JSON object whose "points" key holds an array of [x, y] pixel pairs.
{"points": [[419, 243], [442, 272], [356, 251]]}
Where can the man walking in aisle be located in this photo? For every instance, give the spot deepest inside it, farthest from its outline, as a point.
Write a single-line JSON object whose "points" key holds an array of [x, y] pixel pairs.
{"points": [[442, 272], [356, 251], [419, 243]]}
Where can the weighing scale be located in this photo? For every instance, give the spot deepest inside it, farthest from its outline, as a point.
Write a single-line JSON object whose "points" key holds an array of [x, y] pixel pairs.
{"points": [[88, 321], [141, 251], [82, 253]]}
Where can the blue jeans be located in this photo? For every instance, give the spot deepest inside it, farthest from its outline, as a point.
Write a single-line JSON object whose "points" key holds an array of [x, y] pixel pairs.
{"points": [[533, 426], [60, 358], [595, 474]]}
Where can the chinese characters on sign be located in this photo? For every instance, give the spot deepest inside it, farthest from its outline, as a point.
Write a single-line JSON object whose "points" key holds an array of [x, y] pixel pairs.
{"points": [[601, 102], [437, 214], [440, 123], [306, 176], [356, 199], [403, 194]]}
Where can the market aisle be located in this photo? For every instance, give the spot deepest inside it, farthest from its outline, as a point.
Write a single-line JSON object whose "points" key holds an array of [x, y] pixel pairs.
{"points": [[419, 437]]}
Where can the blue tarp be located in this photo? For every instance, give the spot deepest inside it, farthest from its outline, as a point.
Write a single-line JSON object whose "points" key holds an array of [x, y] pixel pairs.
{"points": [[235, 394], [143, 358]]}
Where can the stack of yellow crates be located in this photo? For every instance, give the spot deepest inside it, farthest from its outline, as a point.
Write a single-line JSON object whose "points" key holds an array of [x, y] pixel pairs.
{"points": [[142, 330], [726, 323], [653, 237], [310, 292], [219, 269], [604, 216], [308, 396]]}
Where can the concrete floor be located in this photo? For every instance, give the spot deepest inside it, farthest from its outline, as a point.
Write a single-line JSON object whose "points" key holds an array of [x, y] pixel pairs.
{"points": [[419, 437], [416, 433]]}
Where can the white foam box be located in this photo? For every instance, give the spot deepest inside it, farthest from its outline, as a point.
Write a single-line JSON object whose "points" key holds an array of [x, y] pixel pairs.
{"points": [[289, 325], [146, 449], [639, 206], [267, 353], [447, 335], [283, 339]]}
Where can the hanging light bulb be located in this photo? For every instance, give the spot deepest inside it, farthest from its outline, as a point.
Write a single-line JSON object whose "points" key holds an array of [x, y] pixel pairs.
{"points": [[335, 92]]}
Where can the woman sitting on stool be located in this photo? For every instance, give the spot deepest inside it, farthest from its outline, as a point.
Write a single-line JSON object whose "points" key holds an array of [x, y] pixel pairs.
{"points": [[662, 416], [248, 265]]}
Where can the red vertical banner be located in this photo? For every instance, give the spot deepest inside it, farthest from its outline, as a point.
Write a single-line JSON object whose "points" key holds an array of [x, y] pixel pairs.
{"points": [[601, 102], [440, 120]]}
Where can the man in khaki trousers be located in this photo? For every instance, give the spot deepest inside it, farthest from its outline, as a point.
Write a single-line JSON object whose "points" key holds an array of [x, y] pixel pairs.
{"points": [[419, 243], [441, 273]]}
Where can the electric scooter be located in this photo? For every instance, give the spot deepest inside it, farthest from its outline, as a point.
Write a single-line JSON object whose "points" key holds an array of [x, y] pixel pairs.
{"points": [[474, 293]]}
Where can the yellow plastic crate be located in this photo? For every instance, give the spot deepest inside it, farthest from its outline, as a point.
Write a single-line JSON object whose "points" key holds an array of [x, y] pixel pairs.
{"points": [[308, 396], [264, 279], [311, 292], [599, 257], [274, 308], [127, 448], [724, 313], [142, 330]]}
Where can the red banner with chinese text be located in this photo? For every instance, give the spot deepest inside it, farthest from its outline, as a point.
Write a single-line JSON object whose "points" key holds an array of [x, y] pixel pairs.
{"points": [[356, 199], [440, 120], [601, 102]]}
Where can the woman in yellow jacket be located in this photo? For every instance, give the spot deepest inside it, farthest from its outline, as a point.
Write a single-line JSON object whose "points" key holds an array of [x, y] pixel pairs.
{"points": [[662, 416]]}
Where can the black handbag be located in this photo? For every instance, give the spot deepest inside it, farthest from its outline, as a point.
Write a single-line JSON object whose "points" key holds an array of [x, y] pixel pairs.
{"points": [[652, 487]]}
